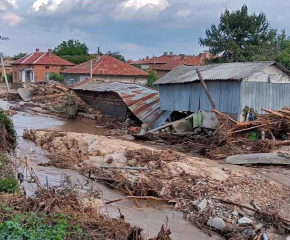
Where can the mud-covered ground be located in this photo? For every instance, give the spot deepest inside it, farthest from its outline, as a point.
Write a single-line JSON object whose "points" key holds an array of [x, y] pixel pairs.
{"points": [[202, 189]]}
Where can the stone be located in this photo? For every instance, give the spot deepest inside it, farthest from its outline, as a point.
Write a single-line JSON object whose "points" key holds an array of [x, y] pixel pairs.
{"points": [[249, 212], [245, 220], [235, 213], [216, 222], [202, 205], [260, 225], [288, 238]]}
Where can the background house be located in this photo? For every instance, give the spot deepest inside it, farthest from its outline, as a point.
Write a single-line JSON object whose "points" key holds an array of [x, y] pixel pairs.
{"points": [[165, 63], [233, 86], [106, 68], [36, 66]]}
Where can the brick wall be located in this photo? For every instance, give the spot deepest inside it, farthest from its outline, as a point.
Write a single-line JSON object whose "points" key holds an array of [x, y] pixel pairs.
{"points": [[39, 71]]}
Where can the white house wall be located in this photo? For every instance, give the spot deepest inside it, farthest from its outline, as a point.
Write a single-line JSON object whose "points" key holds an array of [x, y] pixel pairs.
{"points": [[270, 74]]}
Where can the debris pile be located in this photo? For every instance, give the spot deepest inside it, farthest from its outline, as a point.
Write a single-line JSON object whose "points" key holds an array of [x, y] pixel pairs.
{"points": [[212, 197], [56, 98]]}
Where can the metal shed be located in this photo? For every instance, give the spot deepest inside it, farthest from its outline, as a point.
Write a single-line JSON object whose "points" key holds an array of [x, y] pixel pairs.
{"points": [[116, 97], [233, 86]]}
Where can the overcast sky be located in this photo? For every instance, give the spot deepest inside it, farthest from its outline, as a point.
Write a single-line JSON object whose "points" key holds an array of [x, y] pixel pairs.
{"points": [[136, 28]]}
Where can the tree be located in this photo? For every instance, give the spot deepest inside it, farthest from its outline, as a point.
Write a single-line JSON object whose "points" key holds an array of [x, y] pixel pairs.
{"points": [[116, 55], [19, 55], [56, 77], [73, 51], [152, 77], [242, 37]]}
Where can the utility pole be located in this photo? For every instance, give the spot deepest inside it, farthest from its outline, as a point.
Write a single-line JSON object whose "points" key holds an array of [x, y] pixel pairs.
{"points": [[205, 89], [4, 71], [91, 69]]}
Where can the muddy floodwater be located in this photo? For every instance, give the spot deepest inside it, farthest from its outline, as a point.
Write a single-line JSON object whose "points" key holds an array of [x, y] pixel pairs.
{"points": [[150, 217]]}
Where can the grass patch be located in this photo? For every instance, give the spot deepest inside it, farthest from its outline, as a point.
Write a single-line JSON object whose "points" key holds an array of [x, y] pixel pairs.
{"points": [[39, 226], [9, 185]]}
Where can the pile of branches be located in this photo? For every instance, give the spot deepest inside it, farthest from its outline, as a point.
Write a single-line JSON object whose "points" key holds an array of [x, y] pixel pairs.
{"points": [[58, 98], [276, 124]]}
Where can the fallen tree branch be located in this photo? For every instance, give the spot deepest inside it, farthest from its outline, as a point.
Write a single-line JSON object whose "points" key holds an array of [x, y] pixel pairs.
{"points": [[137, 197]]}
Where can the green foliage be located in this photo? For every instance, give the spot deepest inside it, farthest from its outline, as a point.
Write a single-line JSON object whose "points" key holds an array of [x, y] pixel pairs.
{"points": [[283, 56], [152, 78], [38, 227], [242, 37], [116, 55], [137, 66], [19, 55], [71, 48], [10, 134], [73, 51], [9, 184], [56, 77]]}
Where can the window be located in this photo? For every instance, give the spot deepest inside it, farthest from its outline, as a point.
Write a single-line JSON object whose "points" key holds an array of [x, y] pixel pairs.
{"points": [[47, 76], [72, 81], [15, 75], [47, 67]]}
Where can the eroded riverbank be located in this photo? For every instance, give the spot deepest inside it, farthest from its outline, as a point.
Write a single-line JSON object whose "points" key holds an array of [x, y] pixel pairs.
{"points": [[150, 217]]}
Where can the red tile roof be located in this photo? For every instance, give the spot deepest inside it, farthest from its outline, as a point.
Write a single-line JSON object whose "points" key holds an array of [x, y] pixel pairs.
{"points": [[42, 58], [169, 62], [188, 60], [107, 65]]}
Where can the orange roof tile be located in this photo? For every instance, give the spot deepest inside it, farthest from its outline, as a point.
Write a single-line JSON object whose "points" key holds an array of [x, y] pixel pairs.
{"points": [[107, 65], [42, 58]]}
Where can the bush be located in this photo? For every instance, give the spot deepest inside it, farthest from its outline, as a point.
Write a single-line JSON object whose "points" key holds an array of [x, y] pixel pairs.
{"points": [[56, 77], [33, 226], [8, 134], [9, 184]]}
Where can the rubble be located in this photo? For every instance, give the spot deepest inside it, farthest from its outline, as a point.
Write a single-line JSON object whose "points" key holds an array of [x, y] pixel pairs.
{"points": [[216, 222], [176, 178]]}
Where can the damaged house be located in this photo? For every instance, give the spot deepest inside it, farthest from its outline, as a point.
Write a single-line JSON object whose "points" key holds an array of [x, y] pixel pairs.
{"points": [[233, 86], [117, 100], [106, 68]]}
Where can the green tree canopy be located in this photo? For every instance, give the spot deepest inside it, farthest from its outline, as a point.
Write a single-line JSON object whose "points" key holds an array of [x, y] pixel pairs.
{"points": [[73, 51], [242, 37], [116, 55], [18, 56]]}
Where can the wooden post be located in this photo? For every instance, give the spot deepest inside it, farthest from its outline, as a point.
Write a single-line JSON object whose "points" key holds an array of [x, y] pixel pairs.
{"points": [[205, 89], [4, 72]]}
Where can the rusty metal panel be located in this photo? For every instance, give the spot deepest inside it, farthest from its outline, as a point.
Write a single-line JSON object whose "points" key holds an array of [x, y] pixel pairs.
{"points": [[142, 101]]}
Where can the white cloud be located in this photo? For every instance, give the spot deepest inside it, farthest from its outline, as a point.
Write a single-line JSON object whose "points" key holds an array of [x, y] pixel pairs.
{"points": [[184, 13], [130, 47], [13, 3], [11, 19], [49, 5], [5, 5], [143, 9]]}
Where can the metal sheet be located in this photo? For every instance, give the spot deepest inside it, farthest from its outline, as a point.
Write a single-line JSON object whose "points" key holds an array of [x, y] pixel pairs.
{"points": [[192, 97], [225, 71], [142, 101], [260, 95]]}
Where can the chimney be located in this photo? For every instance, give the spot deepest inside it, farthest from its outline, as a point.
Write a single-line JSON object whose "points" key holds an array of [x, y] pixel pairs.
{"points": [[49, 52], [147, 58], [165, 53], [182, 56], [171, 53], [37, 49], [98, 57]]}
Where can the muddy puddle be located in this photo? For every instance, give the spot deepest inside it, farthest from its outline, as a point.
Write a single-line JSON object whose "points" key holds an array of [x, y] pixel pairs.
{"points": [[150, 217]]}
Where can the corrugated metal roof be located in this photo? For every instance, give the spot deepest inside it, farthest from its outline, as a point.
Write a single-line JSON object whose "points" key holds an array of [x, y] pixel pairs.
{"points": [[142, 101], [224, 71]]}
